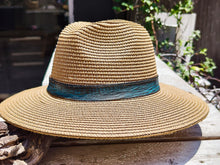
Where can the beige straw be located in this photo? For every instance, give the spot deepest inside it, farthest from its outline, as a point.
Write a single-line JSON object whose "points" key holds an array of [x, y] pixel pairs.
{"points": [[108, 52]]}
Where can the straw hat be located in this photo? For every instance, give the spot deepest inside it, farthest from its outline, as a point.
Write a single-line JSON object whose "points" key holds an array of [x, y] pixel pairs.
{"points": [[104, 85]]}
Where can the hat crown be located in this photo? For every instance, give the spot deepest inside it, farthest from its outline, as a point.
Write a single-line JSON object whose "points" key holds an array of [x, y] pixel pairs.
{"points": [[105, 52]]}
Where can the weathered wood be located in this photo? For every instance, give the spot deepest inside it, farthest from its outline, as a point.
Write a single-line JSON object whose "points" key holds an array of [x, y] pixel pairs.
{"points": [[20, 147], [208, 23], [8, 140], [159, 153], [3, 128], [77, 142], [11, 151], [190, 134]]}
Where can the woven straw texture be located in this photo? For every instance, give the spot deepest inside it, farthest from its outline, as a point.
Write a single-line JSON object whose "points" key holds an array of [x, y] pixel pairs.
{"points": [[106, 52], [166, 111]]}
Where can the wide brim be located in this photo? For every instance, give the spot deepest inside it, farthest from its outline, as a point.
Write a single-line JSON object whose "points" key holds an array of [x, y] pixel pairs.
{"points": [[164, 112]]}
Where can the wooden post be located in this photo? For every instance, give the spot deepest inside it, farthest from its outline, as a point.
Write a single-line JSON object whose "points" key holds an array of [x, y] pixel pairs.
{"points": [[71, 10]]}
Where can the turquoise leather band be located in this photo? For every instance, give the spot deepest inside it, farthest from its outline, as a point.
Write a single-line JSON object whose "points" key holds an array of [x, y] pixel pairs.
{"points": [[103, 92]]}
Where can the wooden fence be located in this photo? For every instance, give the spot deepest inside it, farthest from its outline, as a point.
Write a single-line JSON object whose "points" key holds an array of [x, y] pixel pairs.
{"points": [[208, 22]]}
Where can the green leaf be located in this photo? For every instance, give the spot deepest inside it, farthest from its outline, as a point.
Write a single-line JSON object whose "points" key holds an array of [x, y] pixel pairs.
{"points": [[203, 51], [131, 7], [151, 8], [196, 34], [124, 4], [117, 9], [147, 10], [195, 68], [170, 64], [148, 19], [148, 2], [128, 6], [191, 63]]}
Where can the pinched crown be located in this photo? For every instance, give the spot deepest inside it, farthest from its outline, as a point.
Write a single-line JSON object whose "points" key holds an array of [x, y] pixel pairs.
{"points": [[105, 52]]}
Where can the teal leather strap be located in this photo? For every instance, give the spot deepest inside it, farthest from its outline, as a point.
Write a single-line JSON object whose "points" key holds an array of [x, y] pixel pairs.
{"points": [[103, 92]]}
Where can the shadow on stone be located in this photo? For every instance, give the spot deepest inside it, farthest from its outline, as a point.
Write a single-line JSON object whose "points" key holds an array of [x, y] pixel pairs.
{"points": [[177, 148]]}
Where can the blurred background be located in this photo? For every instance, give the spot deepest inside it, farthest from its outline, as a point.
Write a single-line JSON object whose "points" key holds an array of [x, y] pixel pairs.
{"points": [[29, 30], [28, 34]]}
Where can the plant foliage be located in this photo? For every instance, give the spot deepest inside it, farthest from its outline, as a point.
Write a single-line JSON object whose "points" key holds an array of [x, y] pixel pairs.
{"points": [[144, 12]]}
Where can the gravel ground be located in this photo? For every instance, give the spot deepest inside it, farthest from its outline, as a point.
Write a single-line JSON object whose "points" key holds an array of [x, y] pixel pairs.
{"points": [[212, 95]]}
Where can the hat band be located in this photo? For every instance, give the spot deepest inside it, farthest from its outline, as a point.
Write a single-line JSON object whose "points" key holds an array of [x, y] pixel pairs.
{"points": [[103, 92]]}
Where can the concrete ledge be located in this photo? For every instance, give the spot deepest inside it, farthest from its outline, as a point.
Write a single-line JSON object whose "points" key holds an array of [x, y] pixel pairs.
{"points": [[168, 76]]}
